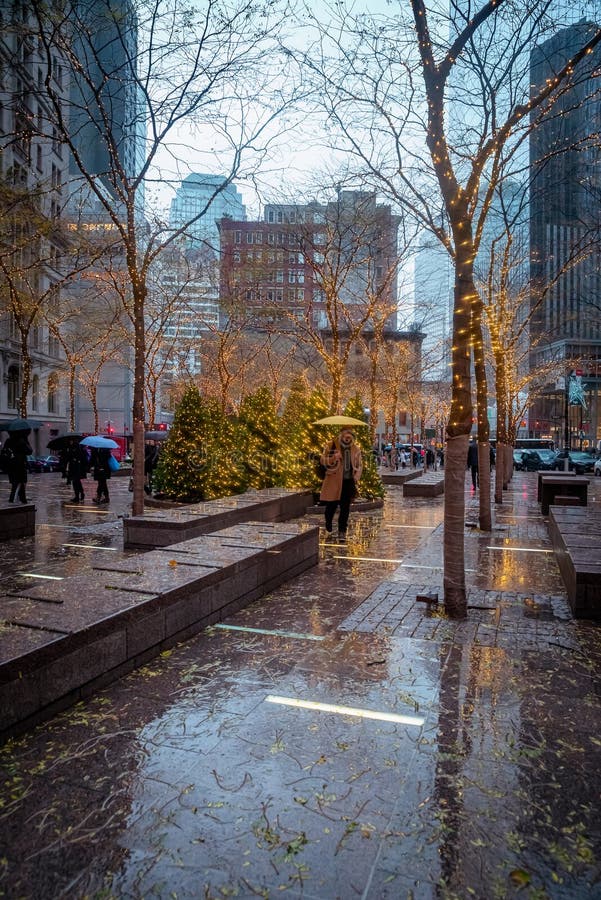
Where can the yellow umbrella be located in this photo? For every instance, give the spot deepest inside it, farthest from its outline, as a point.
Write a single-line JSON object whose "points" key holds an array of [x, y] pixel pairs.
{"points": [[339, 420]]}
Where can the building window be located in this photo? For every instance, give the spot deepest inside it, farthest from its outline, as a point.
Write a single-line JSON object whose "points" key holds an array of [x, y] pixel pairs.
{"points": [[236, 256], [13, 387], [279, 277], [258, 237], [249, 237], [53, 393], [238, 237], [270, 237], [35, 393]]}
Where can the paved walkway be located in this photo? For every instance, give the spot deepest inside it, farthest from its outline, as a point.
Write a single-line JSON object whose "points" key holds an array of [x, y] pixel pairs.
{"points": [[336, 739]]}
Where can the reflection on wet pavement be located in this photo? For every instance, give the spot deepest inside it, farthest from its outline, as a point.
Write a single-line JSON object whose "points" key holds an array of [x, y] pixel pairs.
{"points": [[186, 779]]}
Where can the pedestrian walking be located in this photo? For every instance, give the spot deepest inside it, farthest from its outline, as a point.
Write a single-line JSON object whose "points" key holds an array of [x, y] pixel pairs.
{"points": [[15, 452], [343, 463], [151, 458], [472, 462], [76, 468], [99, 461]]}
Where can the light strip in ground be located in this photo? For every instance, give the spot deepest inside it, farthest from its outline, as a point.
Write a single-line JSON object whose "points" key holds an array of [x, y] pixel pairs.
{"points": [[345, 710], [46, 577], [520, 549], [288, 634], [429, 527], [92, 547], [369, 559]]}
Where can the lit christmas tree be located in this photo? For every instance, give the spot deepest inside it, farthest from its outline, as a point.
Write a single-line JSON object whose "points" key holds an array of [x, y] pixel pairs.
{"points": [[224, 444], [258, 418], [302, 442], [370, 486], [180, 472], [199, 460]]}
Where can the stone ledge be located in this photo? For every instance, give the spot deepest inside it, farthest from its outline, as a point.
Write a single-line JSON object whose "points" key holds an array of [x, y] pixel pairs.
{"points": [[400, 476], [17, 521], [61, 640], [575, 533], [162, 527], [429, 485]]}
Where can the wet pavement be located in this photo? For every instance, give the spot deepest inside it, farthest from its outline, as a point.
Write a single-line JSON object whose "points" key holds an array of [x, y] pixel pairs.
{"points": [[336, 739]]}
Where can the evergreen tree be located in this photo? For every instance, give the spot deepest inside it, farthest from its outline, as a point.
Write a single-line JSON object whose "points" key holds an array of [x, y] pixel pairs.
{"points": [[304, 441], [225, 472], [181, 467], [370, 485], [262, 433], [198, 460]]}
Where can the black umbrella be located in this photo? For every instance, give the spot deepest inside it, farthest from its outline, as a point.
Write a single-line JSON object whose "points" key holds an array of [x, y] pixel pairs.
{"points": [[20, 425], [156, 435], [60, 442]]}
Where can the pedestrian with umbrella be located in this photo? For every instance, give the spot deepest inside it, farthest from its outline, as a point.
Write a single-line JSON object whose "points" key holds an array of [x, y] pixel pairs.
{"points": [[100, 464], [76, 466], [15, 451], [343, 464]]}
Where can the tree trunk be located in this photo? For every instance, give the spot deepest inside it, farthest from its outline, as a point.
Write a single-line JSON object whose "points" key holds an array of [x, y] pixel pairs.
{"points": [[459, 426], [484, 482], [454, 526], [500, 471], [25, 374], [139, 292], [485, 514], [71, 397]]}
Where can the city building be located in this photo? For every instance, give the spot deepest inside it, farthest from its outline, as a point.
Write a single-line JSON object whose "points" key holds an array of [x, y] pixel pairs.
{"points": [[565, 221], [433, 285], [300, 256], [200, 202], [33, 174]]}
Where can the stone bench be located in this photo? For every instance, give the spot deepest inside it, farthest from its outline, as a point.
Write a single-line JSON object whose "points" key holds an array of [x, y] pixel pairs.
{"points": [[575, 534], [17, 521], [400, 476], [62, 640], [431, 484], [553, 485], [162, 527]]}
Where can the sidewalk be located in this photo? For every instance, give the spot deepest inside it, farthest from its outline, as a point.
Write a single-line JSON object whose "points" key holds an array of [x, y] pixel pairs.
{"points": [[447, 759]]}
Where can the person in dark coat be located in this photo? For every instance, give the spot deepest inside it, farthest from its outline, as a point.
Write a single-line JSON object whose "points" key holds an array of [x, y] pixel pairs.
{"points": [[99, 462], [17, 448], [76, 468], [472, 462]]}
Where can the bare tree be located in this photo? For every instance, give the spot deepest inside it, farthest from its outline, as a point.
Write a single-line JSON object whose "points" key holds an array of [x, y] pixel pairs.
{"points": [[389, 90], [166, 65]]}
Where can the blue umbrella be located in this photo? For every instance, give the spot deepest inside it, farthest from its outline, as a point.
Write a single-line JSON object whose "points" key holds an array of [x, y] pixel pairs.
{"points": [[97, 440]]}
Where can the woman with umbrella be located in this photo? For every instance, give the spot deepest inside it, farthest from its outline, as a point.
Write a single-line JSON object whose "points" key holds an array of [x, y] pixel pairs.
{"points": [[343, 463]]}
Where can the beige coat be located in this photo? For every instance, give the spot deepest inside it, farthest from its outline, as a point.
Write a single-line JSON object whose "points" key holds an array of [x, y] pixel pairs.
{"points": [[331, 487]]}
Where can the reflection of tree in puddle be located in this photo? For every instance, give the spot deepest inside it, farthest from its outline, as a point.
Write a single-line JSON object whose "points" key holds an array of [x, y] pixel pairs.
{"points": [[471, 694]]}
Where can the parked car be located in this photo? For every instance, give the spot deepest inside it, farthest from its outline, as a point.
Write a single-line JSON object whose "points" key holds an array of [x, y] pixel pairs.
{"points": [[537, 460], [37, 464], [517, 459], [597, 466], [578, 461]]}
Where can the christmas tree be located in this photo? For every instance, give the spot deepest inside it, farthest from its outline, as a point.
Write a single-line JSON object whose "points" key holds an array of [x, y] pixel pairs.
{"points": [[302, 442], [199, 460], [224, 443], [370, 485], [258, 418], [180, 472]]}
